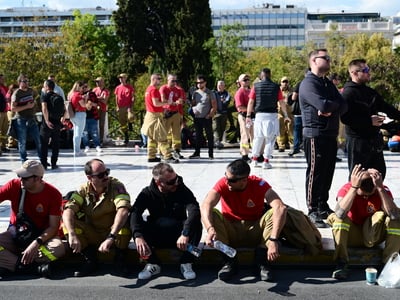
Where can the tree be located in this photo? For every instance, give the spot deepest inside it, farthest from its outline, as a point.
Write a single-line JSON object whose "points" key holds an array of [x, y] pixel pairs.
{"points": [[171, 33], [225, 51]]}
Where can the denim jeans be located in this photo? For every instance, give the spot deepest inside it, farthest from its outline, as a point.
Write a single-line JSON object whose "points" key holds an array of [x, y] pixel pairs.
{"points": [[91, 131], [79, 121], [25, 128]]}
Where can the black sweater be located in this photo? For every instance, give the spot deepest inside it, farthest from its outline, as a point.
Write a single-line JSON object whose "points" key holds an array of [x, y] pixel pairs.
{"points": [[363, 102], [180, 205]]}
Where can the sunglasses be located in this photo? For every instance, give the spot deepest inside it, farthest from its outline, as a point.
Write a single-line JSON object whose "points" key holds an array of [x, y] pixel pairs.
{"points": [[102, 174], [364, 70], [325, 57], [24, 81], [200, 82], [246, 79], [27, 178], [174, 181], [285, 81], [234, 180]]}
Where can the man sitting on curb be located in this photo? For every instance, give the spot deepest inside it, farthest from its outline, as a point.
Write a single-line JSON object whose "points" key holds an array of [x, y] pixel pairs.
{"points": [[365, 215], [173, 221], [244, 222], [95, 218], [31, 243]]}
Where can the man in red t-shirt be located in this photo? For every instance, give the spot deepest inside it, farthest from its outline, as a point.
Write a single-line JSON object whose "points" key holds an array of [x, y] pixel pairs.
{"points": [[124, 99], [42, 205], [243, 221], [154, 123], [173, 112], [365, 216]]}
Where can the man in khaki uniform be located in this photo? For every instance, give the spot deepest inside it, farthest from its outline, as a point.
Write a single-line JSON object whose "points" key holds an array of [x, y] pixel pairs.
{"points": [[95, 217]]}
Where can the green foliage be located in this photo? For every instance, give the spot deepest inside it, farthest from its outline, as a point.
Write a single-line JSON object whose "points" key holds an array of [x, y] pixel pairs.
{"points": [[171, 33]]}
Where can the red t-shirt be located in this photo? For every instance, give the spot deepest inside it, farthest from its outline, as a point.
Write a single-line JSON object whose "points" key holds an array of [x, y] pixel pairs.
{"points": [[75, 98], [152, 92], [38, 207], [124, 95], [362, 208], [101, 92], [245, 205], [242, 97], [174, 92]]}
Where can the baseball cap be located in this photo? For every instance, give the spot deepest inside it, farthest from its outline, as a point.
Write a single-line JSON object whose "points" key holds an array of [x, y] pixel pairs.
{"points": [[123, 75], [30, 168], [99, 79], [242, 77], [284, 78]]}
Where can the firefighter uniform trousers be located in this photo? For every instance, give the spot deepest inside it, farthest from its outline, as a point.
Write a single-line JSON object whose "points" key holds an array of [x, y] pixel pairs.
{"points": [[376, 229]]}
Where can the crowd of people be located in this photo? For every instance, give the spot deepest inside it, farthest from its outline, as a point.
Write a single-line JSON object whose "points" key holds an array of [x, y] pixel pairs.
{"points": [[100, 216]]}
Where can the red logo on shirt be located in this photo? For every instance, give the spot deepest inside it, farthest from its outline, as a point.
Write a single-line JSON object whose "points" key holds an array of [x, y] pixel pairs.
{"points": [[371, 208], [250, 203], [39, 208]]}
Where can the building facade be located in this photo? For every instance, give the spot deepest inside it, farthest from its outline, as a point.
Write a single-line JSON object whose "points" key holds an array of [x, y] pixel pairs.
{"points": [[266, 26]]}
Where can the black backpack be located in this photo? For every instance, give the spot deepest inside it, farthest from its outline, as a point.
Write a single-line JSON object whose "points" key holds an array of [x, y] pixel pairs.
{"points": [[55, 106]]}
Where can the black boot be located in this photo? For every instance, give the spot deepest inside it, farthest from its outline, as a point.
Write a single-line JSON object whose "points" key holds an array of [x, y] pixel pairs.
{"points": [[228, 270], [90, 263], [126, 141], [120, 264]]}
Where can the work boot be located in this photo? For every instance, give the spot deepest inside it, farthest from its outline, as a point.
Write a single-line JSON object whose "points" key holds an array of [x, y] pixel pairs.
{"points": [[90, 263], [120, 264], [45, 270], [260, 257], [228, 270]]}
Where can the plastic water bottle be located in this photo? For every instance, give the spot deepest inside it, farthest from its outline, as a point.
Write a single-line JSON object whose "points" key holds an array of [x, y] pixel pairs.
{"points": [[196, 251], [231, 252]]}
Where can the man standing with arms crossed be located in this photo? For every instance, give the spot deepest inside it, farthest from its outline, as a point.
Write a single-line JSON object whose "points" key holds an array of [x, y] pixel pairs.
{"points": [[321, 106]]}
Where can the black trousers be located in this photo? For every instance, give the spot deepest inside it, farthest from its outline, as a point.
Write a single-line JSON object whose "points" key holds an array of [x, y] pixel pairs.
{"points": [[199, 125], [367, 152], [320, 154], [164, 232], [45, 134]]}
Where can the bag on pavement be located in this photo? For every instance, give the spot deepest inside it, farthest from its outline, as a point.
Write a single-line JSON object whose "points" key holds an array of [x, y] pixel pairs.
{"points": [[390, 275], [70, 110]]}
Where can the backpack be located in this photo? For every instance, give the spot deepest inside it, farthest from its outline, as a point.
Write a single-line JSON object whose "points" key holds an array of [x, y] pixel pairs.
{"points": [[56, 106]]}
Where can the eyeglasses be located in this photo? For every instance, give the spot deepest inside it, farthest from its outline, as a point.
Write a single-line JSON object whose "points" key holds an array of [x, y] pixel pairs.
{"points": [[364, 70], [24, 81], [325, 57], [200, 82], [172, 181], [102, 174], [27, 178], [234, 180]]}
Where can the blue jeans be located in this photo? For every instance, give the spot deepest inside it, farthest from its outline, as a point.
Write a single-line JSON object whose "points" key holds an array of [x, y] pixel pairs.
{"points": [[25, 128], [297, 133], [79, 121], [91, 130]]}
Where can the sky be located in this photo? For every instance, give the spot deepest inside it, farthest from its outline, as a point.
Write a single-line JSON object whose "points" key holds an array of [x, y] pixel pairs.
{"points": [[384, 7]]}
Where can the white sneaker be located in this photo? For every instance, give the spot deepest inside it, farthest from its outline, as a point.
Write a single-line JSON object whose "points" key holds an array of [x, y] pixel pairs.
{"points": [[267, 165], [98, 149], [86, 149], [149, 270], [187, 271], [254, 163]]}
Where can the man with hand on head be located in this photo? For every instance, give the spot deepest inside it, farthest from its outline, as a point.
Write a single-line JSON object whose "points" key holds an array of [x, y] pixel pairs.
{"points": [[365, 216]]}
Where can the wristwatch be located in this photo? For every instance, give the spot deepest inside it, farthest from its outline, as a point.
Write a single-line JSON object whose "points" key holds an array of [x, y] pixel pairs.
{"points": [[39, 241], [112, 236]]}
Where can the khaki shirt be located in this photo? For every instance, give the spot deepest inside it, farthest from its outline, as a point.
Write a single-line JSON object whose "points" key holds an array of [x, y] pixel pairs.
{"points": [[100, 213]]}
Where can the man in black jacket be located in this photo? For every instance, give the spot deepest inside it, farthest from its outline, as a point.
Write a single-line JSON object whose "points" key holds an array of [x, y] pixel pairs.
{"points": [[321, 106], [364, 141], [173, 220]]}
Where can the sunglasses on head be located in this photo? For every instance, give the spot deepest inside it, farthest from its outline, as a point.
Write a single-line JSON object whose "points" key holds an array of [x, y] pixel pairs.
{"points": [[102, 174], [172, 181], [234, 180]]}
